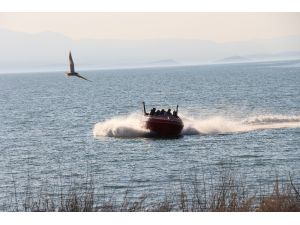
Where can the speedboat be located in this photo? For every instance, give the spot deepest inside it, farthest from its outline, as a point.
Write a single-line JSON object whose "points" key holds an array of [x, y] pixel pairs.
{"points": [[163, 124]]}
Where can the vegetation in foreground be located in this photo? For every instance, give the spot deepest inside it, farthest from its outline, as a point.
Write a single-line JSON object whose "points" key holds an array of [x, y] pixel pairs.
{"points": [[227, 196]]}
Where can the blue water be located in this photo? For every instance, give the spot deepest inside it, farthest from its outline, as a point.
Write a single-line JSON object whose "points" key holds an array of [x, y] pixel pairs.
{"points": [[55, 131]]}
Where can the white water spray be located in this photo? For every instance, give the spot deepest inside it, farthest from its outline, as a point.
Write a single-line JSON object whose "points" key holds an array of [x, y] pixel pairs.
{"points": [[131, 126], [122, 126], [221, 125]]}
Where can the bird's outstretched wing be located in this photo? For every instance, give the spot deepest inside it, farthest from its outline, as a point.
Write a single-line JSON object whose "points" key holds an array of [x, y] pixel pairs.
{"points": [[72, 69], [77, 75]]}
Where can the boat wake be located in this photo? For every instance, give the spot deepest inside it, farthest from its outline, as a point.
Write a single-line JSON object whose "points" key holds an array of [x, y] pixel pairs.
{"points": [[123, 126], [131, 126], [221, 125]]}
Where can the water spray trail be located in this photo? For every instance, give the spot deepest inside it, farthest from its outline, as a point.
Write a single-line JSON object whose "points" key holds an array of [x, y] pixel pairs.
{"points": [[131, 126], [122, 126], [222, 125]]}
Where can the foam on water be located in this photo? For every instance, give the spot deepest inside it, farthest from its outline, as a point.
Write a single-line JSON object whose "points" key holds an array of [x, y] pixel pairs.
{"points": [[222, 125], [132, 125], [122, 126]]}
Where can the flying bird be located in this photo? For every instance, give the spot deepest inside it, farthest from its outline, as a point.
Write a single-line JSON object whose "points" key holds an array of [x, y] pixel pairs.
{"points": [[72, 69]]}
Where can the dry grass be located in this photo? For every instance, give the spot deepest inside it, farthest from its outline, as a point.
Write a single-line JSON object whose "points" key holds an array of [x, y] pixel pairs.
{"points": [[73, 201], [231, 198], [226, 196], [283, 199]]}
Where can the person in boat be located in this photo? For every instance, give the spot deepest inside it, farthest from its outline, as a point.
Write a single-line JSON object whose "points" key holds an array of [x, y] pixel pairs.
{"points": [[175, 113], [152, 112], [162, 112], [169, 112], [157, 113]]}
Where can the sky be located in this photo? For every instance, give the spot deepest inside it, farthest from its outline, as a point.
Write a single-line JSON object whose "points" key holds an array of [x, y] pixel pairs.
{"points": [[102, 40], [217, 27]]}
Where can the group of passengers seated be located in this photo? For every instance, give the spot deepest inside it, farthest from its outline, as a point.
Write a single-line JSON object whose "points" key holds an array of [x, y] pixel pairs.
{"points": [[162, 112]]}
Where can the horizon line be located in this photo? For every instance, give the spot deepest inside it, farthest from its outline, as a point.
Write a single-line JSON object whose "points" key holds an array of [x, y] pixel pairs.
{"points": [[145, 66], [147, 39]]}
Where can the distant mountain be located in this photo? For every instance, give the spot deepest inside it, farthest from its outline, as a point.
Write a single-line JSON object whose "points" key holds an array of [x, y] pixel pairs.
{"points": [[233, 59], [261, 57], [49, 51], [278, 56]]}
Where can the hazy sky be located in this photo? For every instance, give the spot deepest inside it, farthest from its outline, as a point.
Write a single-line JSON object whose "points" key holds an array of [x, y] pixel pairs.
{"points": [[219, 27]]}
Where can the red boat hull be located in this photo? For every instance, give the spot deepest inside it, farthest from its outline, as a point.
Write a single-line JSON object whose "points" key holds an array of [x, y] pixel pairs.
{"points": [[164, 125]]}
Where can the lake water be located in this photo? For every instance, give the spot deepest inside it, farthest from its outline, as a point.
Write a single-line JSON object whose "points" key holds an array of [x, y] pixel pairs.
{"points": [[57, 130]]}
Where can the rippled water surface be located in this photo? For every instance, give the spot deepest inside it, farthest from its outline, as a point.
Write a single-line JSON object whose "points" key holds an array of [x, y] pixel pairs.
{"points": [[57, 130]]}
